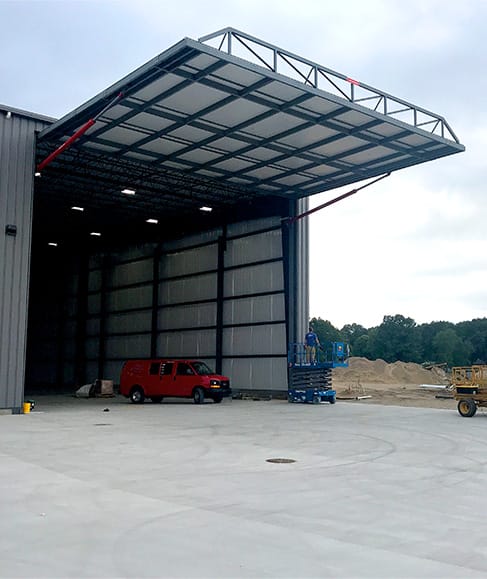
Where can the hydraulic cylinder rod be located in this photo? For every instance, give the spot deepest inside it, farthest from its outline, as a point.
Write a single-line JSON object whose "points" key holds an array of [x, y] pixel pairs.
{"points": [[332, 201]]}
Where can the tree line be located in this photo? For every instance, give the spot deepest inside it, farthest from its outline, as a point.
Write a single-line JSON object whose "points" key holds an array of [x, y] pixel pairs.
{"points": [[401, 338]]}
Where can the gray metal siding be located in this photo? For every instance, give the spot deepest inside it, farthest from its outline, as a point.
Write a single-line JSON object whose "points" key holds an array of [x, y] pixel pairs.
{"points": [[17, 157]]}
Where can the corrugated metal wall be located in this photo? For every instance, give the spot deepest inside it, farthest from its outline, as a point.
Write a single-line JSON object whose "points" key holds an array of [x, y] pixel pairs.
{"points": [[17, 150], [219, 296]]}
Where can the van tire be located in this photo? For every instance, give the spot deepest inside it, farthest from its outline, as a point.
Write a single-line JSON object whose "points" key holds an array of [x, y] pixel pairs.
{"points": [[156, 399], [198, 395], [137, 395]]}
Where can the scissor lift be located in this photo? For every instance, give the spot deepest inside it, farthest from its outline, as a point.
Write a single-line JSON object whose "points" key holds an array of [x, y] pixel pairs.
{"points": [[470, 388], [311, 381]]}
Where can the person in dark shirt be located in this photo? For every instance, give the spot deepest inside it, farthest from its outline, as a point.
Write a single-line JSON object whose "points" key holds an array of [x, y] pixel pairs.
{"points": [[311, 342]]}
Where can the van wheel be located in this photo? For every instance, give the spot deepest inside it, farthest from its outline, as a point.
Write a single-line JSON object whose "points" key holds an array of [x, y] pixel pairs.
{"points": [[217, 399], [198, 395], [137, 395], [156, 399]]}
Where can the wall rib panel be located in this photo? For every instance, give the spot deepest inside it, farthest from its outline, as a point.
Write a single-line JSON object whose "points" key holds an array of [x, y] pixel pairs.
{"points": [[17, 153]]}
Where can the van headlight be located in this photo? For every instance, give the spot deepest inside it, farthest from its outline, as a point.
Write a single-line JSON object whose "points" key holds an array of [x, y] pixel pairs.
{"points": [[214, 383]]}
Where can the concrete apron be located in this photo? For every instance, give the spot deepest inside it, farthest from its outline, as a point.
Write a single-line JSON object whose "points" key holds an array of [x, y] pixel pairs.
{"points": [[184, 490]]}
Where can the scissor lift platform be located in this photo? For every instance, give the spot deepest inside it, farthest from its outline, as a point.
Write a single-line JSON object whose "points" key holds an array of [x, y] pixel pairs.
{"points": [[312, 382]]}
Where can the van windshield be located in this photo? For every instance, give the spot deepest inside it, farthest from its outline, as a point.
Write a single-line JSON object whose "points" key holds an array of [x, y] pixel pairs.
{"points": [[201, 368]]}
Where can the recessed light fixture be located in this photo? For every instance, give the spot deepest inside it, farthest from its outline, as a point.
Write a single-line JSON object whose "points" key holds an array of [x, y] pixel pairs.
{"points": [[128, 191], [37, 174], [52, 244], [152, 221], [95, 234], [205, 208], [75, 208]]}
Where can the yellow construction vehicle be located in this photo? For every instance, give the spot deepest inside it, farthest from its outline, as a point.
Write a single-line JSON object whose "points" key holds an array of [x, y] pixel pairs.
{"points": [[469, 384]]}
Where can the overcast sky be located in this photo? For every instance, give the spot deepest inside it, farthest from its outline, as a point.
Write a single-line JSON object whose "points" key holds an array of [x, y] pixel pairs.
{"points": [[414, 244]]}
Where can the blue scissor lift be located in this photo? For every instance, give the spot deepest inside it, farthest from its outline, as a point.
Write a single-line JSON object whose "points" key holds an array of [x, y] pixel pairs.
{"points": [[310, 381]]}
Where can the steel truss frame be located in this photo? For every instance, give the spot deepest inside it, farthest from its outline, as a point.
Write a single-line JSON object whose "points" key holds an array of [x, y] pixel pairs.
{"points": [[237, 43]]}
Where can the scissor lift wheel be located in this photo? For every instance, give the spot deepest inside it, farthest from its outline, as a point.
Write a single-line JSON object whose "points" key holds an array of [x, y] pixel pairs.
{"points": [[467, 408]]}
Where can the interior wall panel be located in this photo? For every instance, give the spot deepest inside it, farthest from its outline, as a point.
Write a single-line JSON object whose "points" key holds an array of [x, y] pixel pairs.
{"points": [[254, 279], [128, 322], [126, 273], [187, 316], [197, 343], [126, 298], [182, 262], [127, 347], [254, 340], [254, 309], [199, 287]]}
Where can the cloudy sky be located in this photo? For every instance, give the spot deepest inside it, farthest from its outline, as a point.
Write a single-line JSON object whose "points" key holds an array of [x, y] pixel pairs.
{"points": [[414, 244]]}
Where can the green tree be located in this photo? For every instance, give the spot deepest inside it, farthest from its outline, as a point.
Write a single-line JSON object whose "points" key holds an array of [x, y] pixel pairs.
{"points": [[397, 338], [361, 346], [474, 333], [325, 331], [449, 347], [428, 332], [352, 332]]}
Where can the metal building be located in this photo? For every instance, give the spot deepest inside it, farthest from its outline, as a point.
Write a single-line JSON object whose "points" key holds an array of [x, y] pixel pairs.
{"points": [[166, 227]]}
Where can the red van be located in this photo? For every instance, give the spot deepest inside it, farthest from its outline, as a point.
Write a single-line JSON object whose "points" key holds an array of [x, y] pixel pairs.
{"points": [[154, 379]]}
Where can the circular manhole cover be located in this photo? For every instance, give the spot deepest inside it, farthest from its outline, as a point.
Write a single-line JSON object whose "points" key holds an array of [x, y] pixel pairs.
{"points": [[280, 460]]}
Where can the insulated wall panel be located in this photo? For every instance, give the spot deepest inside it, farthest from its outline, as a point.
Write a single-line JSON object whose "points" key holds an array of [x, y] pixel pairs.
{"points": [[188, 289], [187, 316], [256, 341], [129, 298], [126, 347], [254, 248], [126, 273], [189, 344], [190, 261], [254, 279], [255, 309], [120, 323]]}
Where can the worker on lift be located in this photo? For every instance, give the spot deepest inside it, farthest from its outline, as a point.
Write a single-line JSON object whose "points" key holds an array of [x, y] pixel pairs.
{"points": [[311, 342]]}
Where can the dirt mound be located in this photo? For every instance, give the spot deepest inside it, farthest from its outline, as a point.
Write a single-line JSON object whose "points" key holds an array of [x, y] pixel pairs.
{"points": [[361, 370]]}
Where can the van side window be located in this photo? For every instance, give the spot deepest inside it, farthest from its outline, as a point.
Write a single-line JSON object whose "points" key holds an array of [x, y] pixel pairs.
{"points": [[154, 368], [166, 368], [184, 370]]}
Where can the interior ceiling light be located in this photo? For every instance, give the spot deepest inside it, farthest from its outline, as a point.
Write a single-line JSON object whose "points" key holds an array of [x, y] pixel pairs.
{"points": [[95, 234], [128, 191], [52, 243], [205, 208], [75, 208], [152, 221], [37, 174]]}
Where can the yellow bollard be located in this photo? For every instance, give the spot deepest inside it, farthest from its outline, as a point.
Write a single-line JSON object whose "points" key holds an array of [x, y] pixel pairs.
{"points": [[27, 407]]}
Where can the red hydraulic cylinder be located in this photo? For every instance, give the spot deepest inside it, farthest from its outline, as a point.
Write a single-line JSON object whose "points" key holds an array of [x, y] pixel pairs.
{"points": [[81, 131]]}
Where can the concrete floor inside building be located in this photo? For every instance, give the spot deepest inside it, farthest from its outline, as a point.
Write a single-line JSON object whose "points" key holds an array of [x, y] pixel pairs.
{"points": [[185, 490]]}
